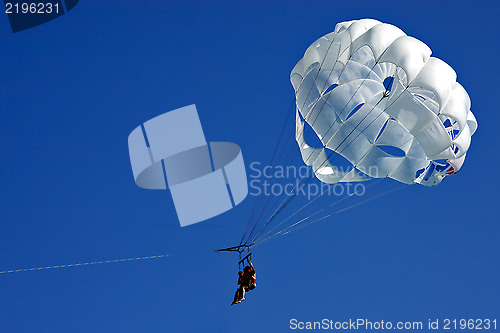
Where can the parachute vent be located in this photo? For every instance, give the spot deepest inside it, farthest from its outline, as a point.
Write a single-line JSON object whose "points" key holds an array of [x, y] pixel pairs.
{"points": [[382, 130], [330, 88], [388, 83], [355, 110], [391, 150], [310, 137]]}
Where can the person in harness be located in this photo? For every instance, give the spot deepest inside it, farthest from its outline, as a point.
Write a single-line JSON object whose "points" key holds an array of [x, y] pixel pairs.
{"points": [[246, 282]]}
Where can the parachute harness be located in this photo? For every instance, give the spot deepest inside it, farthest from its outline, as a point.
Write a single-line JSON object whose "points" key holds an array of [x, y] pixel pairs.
{"points": [[242, 250]]}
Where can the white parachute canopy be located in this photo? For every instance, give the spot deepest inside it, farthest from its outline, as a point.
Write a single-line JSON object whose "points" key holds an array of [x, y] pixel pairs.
{"points": [[377, 100]]}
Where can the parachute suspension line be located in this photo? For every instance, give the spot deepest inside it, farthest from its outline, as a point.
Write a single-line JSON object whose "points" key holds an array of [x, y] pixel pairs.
{"points": [[263, 202], [385, 193], [272, 201], [305, 100], [297, 211], [289, 158], [280, 208], [299, 225], [287, 201], [284, 204], [317, 212], [259, 200]]}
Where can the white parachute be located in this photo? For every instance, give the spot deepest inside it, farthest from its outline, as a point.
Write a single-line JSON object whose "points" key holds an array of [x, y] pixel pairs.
{"points": [[377, 99]]}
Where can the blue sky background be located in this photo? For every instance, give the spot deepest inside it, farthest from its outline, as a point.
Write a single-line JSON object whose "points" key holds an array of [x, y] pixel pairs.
{"points": [[74, 88]]}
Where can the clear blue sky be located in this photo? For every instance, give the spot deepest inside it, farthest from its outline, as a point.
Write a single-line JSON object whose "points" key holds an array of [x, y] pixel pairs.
{"points": [[74, 88]]}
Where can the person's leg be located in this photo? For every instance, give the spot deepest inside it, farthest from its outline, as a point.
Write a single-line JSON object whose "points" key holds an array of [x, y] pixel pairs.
{"points": [[236, 296], [243, 289], [239, 294]]}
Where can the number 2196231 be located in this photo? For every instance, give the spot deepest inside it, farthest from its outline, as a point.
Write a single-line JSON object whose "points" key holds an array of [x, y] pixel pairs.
{"points": [[31, 8], [471, 324]]}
